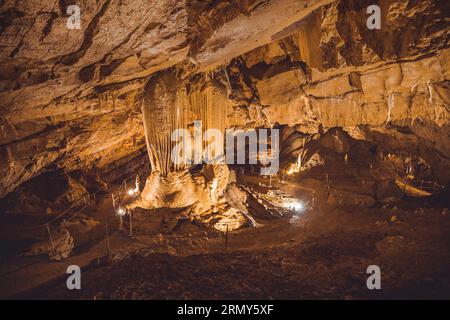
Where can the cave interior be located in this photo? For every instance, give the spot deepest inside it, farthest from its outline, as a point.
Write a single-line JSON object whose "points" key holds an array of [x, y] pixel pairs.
{"points": [[256, 149]]}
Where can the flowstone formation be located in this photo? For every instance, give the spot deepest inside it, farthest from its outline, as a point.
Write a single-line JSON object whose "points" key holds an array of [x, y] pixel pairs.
{"points": [[170, 108], [180, 189]]}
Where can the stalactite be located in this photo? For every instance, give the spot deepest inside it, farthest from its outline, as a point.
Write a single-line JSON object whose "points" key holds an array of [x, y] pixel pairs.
{"points": [[209, 105], [164, 112], [165, 109], [390, 104]]}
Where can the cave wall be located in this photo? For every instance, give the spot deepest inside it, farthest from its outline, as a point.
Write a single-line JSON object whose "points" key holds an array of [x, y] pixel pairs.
{"points": [[71, 99], [388, 86]]}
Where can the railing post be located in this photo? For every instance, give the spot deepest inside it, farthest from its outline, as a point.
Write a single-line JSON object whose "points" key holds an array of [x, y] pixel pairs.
{"points": [[113, 200], [51, 239], [108, 251], [226, 239], [131, 223]]}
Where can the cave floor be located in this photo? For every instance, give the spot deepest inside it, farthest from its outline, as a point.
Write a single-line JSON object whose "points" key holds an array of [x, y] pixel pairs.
{"points": [[323, 254]]}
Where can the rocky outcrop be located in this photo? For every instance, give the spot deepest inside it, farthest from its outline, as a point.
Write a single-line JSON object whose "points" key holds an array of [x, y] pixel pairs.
{"points": [[332, 71]]}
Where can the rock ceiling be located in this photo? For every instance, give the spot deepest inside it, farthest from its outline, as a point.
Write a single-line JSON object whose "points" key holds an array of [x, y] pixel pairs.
{"points": [[71, 99]]}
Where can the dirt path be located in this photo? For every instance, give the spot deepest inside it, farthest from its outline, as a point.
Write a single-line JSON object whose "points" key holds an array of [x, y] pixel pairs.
{"points": [[323, 254], [328, 260]]}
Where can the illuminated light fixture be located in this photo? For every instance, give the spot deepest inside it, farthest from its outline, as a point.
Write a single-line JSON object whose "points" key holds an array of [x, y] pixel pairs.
{"points": [[132, 192], [121, 211], [297, 206], [295, 168]]}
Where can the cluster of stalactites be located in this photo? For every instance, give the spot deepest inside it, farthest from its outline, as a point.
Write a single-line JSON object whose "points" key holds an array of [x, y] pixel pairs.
{"points": [[209, 105], [167, 106], [163, 111]]}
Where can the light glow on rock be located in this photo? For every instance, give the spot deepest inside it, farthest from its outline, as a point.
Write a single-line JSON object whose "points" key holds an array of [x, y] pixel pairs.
{"points": [[121, 211], [297, 206]]}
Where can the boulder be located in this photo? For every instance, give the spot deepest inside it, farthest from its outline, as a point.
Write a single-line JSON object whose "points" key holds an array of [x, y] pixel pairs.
{"points": [[236, 197], [230, 219], [63, 244]]}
